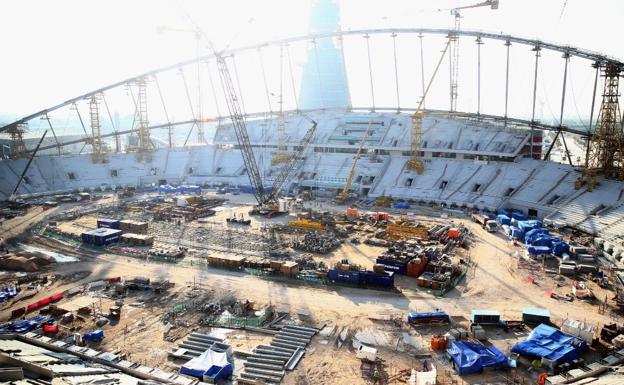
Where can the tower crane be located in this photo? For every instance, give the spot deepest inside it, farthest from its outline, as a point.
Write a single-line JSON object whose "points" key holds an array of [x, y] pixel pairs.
{"points": [[415, 163], [454, 48], [344, 194]]}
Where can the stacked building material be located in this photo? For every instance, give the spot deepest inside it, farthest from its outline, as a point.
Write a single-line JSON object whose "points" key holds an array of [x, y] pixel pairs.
{"points": [[137, 239], [315, 242], [133, 226], [268, 363]]}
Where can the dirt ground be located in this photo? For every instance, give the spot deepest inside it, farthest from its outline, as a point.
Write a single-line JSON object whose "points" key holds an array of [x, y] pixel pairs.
{"points": [[495, 282]]}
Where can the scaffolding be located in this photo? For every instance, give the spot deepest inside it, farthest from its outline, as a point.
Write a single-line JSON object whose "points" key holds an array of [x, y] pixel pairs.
{"points": [[605, 149], [98, 154], [144, 142], [18, 148]]}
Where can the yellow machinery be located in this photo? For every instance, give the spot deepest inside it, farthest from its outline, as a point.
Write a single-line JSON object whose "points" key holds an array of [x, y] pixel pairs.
{"points": [[344, 194], [415, 163], [383, 201], [399, 231], [306, 224]]}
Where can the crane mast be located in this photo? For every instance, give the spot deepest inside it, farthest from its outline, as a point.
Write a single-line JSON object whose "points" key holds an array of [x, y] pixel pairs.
{"points": [[240, 129], [344, 194]]}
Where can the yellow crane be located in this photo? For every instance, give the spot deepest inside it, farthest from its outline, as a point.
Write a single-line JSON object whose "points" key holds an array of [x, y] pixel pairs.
{"points": [[344, 194], [415, 163]]}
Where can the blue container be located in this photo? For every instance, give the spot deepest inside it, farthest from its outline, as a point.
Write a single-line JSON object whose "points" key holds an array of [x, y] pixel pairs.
{"points": [[349, 277], [516, 233], [108, 223], [101, 236], [398, 266], [519, 216], [370, 278], [503, 219]]}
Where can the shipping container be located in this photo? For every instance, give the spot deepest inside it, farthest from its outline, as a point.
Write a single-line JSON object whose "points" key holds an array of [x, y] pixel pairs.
{"points": [[351, 277], [485, 317], [108, 223], [101, 236], [397, 265], [370, 278], [535, 316], [416, 266]]}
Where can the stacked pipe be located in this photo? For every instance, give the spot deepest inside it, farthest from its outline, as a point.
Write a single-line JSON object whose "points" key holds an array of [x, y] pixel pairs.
{"points": [[269, 363]]}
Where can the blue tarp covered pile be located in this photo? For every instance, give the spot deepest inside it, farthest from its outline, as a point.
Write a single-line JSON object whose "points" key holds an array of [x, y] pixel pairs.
{"points": [[550, 343], [7, 293], [541, 239], [401, 205], [438, 316], [517, 215], [184, 189], [211, 364], [97, 335], [471, 357], [24, 325]]}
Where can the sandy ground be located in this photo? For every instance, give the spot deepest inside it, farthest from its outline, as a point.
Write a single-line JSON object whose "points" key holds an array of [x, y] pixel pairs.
{"points": [[494, 283]]}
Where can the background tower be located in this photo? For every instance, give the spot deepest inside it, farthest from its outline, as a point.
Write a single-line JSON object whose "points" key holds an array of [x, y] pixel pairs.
{"points": [[324, 79]]}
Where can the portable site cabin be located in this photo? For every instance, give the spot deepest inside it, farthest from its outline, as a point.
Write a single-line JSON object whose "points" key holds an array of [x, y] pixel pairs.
{"points": [[485, 317], [535, 316]]}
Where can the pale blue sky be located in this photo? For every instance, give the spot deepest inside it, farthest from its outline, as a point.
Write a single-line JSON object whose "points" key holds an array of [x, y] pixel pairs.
{"points": [[55, 50]]}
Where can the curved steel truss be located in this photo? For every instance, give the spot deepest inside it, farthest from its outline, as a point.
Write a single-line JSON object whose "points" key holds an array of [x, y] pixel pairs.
{"points": [[596, 59]]}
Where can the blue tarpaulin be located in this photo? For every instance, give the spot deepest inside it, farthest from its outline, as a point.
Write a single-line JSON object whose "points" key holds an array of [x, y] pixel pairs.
{"points": [[211, 364], [413, 317], [537, 250], [7, 293], [23, 326], [517, 215], [560, 248], [531, 235], [550, 343], [97, 335], [471, 357]]}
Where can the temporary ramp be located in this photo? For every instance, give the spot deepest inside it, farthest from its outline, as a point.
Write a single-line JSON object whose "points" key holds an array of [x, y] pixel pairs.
{"points": [[471, 357]]}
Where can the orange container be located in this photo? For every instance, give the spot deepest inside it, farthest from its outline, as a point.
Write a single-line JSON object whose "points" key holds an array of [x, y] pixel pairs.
{"points": [[453, 233]]}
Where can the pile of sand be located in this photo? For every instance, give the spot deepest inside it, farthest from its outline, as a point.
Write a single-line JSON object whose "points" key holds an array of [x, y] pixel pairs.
{"points": [[25, 262]]}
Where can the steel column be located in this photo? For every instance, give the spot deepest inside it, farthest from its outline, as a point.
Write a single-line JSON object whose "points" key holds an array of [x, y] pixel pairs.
{"points": [[422, 67], [507, 44], [370, 71], [396, 71], [537, 50]]}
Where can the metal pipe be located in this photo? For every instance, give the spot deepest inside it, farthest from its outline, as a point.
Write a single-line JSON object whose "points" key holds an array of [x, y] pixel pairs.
{"points": [[422, 66], [537, 56], [479, 44], [370, 71], [508, 44], [591, 114], [396, 71]]}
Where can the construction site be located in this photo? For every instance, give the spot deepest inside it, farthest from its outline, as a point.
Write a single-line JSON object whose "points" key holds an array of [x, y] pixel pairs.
{"points": [[318, 241]]}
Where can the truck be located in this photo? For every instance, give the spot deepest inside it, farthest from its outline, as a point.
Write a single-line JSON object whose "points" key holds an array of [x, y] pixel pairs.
{"points": [[488, 224]]}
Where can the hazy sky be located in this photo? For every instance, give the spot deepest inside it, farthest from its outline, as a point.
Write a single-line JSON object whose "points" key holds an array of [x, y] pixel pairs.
{"points": [[54, 50]]}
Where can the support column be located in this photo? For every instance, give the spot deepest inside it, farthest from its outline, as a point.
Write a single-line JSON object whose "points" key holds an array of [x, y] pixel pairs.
{"points": [[370, 71], [606, 149], [537, 50], [145, 143], [98, 154]]}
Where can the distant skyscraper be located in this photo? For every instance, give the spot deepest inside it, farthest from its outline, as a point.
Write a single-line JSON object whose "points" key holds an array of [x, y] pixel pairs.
{"points": [[324, 80]]}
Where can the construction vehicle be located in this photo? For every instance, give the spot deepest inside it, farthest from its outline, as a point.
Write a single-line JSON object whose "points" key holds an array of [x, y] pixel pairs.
{"points": [[306, 224], [238, 221], [344, 194], [485, 222]]}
